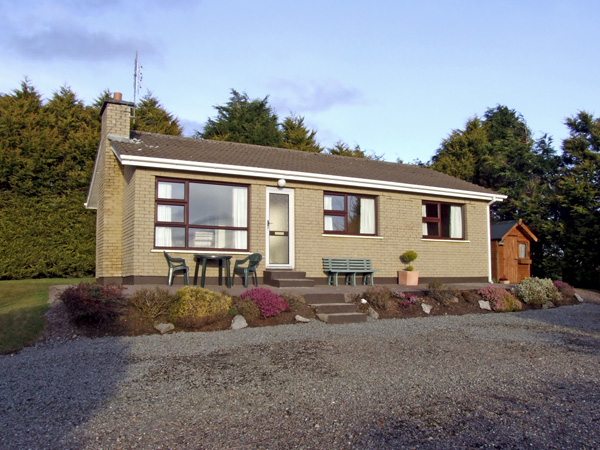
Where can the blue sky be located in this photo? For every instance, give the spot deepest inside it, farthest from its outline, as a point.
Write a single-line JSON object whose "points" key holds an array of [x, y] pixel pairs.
{"points": [[395, 77]]}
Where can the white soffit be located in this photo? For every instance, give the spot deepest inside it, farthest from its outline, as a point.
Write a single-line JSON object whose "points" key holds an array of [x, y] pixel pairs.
{"points": [[259, 172]]}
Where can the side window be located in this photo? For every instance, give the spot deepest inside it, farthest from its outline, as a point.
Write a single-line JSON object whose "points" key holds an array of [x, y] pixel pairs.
{"points": [[443, 220]]}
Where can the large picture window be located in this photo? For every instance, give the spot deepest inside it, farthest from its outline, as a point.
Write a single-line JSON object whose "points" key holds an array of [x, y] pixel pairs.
{"points": [[443, 220], [196, 215], [349, 214]]}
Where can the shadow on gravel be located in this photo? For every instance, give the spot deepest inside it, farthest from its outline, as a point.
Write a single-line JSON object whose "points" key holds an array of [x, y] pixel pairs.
{"points": [[561, 415], [46, 393], [585, 316]]}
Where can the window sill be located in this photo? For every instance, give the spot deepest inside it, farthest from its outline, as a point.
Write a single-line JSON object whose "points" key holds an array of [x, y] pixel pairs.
{"points": [[346, 236], [199, 251], [456, 241]]}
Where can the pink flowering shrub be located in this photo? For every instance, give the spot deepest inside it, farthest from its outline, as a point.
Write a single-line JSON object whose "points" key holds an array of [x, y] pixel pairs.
{"points": [[269, 303], [405, 299], [500, 299], [565, 289]]}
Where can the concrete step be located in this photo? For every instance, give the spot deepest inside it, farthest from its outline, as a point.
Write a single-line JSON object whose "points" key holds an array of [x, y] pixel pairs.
{"points": [[283, 274], [335, 308], [343, 318], [320, 299], [292, 282]]}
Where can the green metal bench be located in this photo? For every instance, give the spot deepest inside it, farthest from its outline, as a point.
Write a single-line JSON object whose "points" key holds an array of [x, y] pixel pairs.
{"points": [[349, 267]]}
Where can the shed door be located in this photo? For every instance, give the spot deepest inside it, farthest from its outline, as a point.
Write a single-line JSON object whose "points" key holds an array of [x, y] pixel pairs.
{"points": [[511, 259]]}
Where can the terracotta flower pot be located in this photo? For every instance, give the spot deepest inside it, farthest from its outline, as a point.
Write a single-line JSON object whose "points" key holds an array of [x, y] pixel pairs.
{"points": [[408, 278]]}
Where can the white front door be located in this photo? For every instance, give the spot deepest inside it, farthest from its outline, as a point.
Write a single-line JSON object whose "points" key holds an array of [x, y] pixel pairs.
{"points": [[280, 228]]}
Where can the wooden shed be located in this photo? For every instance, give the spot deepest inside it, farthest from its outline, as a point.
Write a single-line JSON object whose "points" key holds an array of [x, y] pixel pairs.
{"points": [[510, 250]]}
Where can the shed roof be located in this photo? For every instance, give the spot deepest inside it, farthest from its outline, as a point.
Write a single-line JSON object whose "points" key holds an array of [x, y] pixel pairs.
{"points": [[500, 229], [181, 153]]}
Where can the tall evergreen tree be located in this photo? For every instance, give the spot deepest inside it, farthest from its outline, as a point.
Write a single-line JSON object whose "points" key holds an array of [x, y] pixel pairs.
{"points": [[579, 201], [244, 120], [498, 152], [298, 137], [151, 116]]}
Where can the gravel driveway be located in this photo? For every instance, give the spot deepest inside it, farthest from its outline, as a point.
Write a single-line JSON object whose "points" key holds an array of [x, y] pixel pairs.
{"points": [[517, 380]]}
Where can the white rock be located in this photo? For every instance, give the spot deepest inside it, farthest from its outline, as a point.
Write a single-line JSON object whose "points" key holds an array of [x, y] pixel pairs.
{"points": [[238, 322], [426, 308], [578, 298], [164, 327], [372, 313], [299, 318], [363, 301], [548, 305], [485, 305]]}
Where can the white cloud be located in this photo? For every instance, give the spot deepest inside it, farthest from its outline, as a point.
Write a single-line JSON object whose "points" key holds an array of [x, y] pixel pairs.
{"points": [[78, 44], [312, 96]]}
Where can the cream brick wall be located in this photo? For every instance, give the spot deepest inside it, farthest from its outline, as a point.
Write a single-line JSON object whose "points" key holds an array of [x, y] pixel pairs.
{"points": [[399, 229], [109, 222]]}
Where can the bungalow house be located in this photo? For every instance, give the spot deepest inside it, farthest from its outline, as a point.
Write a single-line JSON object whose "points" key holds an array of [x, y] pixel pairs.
{"points": [[154, 193]]}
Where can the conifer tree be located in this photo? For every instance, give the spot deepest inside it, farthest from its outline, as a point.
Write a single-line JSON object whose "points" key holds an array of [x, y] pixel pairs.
{"points": [[298, 137]]}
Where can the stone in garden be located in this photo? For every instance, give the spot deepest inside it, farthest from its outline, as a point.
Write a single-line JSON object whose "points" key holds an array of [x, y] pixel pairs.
{"points": [[548, 305], [453, 299], [164, 327], [299, 318], [372, 313], [238, 322], [578, 298], [426, 308], [483, 304], [363, 301]]}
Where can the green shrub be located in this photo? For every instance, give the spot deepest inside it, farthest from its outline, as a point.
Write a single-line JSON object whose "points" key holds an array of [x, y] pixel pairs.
{"points": [[46, 237], [380, 297], [194, 307], [93, 302], [152, 303], [408, 257], [537, 291], [296, 302], [246, 307], [438, 292], [508, 303], [469, 296]]}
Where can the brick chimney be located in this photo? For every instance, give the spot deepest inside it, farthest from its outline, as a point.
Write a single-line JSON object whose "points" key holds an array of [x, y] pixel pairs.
{"points": [[109, 185], [116, 116]]}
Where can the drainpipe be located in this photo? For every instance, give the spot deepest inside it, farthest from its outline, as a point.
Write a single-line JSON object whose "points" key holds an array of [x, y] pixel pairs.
{"points": [[489, 237]]}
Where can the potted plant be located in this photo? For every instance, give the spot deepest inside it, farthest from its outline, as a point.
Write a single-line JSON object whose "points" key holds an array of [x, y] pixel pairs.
{"points": [[503, 280], [409, 276]]}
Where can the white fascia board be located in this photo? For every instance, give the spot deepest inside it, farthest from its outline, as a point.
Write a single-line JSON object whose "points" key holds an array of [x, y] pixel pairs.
{"points": [[91, 202], [259, 172]]}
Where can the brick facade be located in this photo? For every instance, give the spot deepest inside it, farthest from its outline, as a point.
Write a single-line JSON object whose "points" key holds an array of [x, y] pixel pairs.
{"points": [[126, 211]]}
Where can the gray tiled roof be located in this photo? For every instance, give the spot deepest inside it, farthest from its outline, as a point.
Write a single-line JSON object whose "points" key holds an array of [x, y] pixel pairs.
{"points": [[219, 152], [499, 229]]}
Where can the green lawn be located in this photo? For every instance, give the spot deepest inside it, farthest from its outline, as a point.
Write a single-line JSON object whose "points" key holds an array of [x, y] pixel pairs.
{"points": [[22, 307]]}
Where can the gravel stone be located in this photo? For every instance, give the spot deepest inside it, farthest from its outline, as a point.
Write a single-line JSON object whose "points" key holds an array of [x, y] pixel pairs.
{"points": [[511, 380]]}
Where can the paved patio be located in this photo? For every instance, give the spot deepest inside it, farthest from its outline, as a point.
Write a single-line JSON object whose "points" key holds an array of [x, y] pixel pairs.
{"points": [[239, 288]]}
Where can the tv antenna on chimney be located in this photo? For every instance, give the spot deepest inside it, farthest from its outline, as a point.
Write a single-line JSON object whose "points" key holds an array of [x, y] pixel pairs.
{"points": [[137, 83]]}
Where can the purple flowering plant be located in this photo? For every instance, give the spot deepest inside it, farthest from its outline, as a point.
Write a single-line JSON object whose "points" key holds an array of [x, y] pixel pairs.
{"points": [[269, 303], [405, 299]]}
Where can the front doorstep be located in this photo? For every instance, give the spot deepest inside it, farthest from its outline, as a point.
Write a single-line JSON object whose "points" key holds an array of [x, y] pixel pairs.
{"points": [[408, 278]]}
